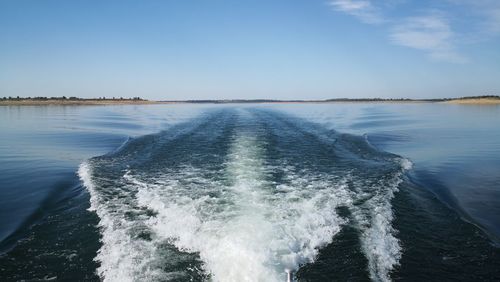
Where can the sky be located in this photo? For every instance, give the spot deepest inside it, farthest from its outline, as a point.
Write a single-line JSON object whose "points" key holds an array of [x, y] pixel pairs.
{"points": [[250, 49]]}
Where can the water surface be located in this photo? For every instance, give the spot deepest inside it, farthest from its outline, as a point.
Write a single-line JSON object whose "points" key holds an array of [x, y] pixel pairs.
{"points": [[317, 192]]}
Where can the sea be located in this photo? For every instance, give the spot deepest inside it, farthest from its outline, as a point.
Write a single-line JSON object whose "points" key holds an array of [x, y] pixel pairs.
{"points": [[250, 192]]}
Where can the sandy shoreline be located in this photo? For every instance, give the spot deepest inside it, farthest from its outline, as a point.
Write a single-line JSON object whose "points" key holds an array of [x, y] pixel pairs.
{"points": [[478, 101]]}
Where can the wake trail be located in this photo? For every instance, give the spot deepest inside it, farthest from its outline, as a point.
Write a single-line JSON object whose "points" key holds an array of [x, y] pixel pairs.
{"points": [[243, 196]]}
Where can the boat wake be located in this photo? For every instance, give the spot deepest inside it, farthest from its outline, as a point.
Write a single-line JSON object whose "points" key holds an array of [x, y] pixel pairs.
{"points": [[240, 195]]}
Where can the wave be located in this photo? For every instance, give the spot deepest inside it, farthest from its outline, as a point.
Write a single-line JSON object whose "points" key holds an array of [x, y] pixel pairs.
{"points": [[243, 196], [373, 215]]}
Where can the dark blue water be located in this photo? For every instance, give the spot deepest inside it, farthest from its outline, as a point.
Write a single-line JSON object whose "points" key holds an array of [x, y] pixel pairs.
{"points": [[259, 192]]}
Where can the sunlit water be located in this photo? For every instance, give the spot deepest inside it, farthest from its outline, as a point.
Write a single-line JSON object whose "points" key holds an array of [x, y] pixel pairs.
{"points": [[314, 192]]}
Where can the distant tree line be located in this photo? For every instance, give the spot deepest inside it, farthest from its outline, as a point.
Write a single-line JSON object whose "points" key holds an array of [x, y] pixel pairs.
{"points": [[479, 97], [462, 98], [72, 98], [235, 101], [229, 101], [40, 98], [407, 99], [366, 99]]}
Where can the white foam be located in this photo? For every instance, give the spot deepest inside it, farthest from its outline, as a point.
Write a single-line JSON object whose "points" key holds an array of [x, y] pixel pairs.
{"points": [[243, 226], [121, 257], [250, 233], [374, 218], [406, 164]]}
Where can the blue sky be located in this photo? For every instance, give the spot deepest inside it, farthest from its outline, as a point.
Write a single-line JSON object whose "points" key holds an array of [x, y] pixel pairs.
{"points": [[214, 49]]}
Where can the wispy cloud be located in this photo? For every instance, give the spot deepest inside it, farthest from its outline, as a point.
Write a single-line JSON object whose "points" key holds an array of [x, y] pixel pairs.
{"points": [[431, 33], [362, 9]]}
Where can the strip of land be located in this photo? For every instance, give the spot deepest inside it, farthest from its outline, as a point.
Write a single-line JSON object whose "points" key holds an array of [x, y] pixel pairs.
{"points": [[476, 101], [72, 102], [38, 101]]}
